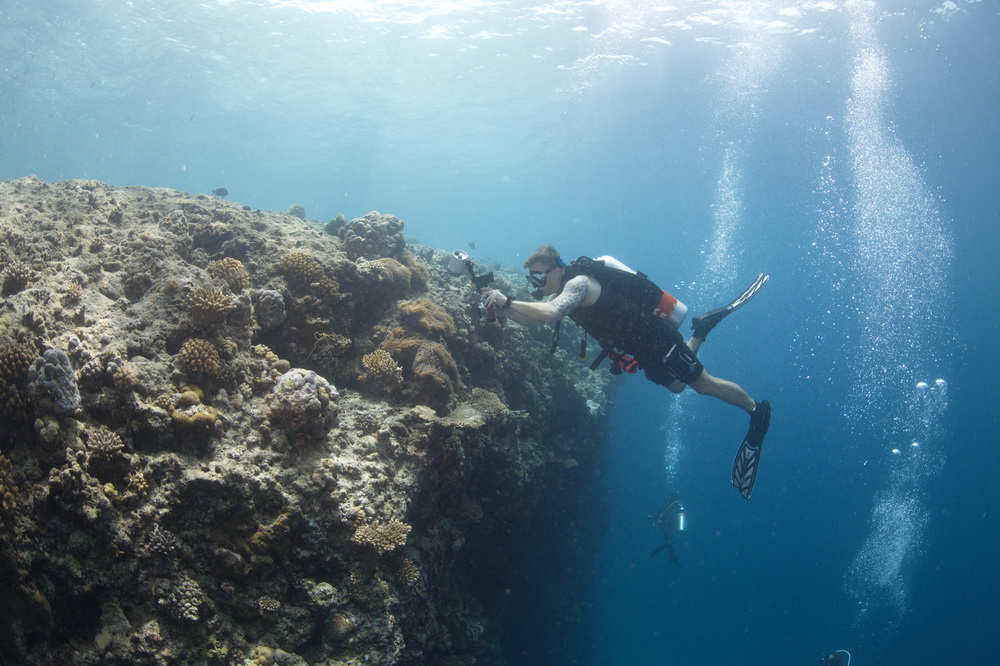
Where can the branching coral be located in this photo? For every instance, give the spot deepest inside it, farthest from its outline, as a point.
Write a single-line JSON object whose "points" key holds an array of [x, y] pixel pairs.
{"points": [[15, 359], [383, 537], [106, 455], [232, 272], [198, 356], [426, 317], [182, 598], [407, 571], [10, 497], [381, 366], [305, 273], [209, 304], [16, 277]]}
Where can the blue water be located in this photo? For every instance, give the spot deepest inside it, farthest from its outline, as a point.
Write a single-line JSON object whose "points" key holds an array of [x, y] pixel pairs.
{"points": [[847, 148]]}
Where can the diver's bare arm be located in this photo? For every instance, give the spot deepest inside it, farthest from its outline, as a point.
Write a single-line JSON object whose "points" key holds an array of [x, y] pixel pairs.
{"points": [[568, 300]]}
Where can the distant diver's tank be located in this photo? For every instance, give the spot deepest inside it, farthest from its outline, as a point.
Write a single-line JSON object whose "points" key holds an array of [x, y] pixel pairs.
{"points": [[681, 519]]}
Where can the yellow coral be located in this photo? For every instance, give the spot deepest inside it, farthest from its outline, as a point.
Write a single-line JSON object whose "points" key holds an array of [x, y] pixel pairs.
{"points": [[383, 537], [209, 304], [198, 356], [382, 367]]}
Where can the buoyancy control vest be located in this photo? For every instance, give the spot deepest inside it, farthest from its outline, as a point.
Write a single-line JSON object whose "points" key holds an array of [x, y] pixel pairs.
{"points": [[629, 301]]}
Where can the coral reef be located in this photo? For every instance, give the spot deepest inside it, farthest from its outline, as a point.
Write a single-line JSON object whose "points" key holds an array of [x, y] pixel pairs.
{"points": [[51, 384], [15, 359], [232, 272], [199, 357], [209, 304], [383, 537], [231, 436], [383, 369], [373, 236], [10, 496]]}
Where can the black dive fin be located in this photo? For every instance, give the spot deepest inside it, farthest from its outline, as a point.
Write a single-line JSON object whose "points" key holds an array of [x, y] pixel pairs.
{"points": [[657, 551], [703, 324], [748, 457], [749, 292]]}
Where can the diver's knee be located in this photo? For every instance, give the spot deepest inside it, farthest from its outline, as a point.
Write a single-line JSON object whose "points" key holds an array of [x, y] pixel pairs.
{"points": [[705, 384]]}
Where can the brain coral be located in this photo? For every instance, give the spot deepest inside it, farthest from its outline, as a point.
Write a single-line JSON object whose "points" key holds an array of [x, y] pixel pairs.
{"points": [[373, 236], [52, 383], [269, 309], [302, 402]]}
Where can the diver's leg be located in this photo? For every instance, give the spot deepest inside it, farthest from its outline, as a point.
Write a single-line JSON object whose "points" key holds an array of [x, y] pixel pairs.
{"points": [[694, 344], [724, 390]]}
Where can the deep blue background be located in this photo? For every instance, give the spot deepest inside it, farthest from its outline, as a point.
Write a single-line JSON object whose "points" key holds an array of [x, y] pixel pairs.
{"points": [[512, 125]]}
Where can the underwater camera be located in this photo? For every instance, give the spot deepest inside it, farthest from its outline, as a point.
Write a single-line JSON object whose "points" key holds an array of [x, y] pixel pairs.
{"points": [[459, 263]]}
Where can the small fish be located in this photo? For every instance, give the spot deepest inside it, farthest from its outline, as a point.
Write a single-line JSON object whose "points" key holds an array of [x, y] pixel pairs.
{"points": [[472, 246], [220, 192]]}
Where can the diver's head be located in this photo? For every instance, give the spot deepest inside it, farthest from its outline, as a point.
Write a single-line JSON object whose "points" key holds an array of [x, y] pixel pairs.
{"points": [[545, 268]]}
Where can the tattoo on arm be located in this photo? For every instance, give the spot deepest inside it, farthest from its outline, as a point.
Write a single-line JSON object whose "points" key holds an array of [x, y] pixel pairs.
{"points": [[571, 297]]}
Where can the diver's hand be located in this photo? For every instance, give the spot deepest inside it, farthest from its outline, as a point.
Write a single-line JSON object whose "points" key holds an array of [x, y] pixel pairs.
{"points": [[490, 297]]}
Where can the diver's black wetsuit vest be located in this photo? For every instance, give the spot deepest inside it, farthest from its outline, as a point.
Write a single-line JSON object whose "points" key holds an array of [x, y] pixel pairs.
{"points": [[622, 317]]}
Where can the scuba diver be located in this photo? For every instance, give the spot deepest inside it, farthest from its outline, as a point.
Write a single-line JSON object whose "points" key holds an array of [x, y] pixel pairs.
{"points": [[668, 519], [636, 324], [837, 658]]}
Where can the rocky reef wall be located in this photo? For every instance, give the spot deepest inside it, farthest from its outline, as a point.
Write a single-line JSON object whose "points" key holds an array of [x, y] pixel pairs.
{"points": [[230, 436]]}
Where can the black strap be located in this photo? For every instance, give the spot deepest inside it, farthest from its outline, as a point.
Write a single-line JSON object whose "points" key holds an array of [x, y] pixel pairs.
{"points": [[600, 359], [555, 337]]}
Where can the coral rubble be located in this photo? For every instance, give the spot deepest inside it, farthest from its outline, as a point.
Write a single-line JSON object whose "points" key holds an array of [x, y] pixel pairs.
{"points": [[230, 436]]}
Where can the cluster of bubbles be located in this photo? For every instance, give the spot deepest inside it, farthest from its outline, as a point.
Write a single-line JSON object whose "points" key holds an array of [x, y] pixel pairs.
{"points": [[877, 577], [673, 442], [902, 250]]}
